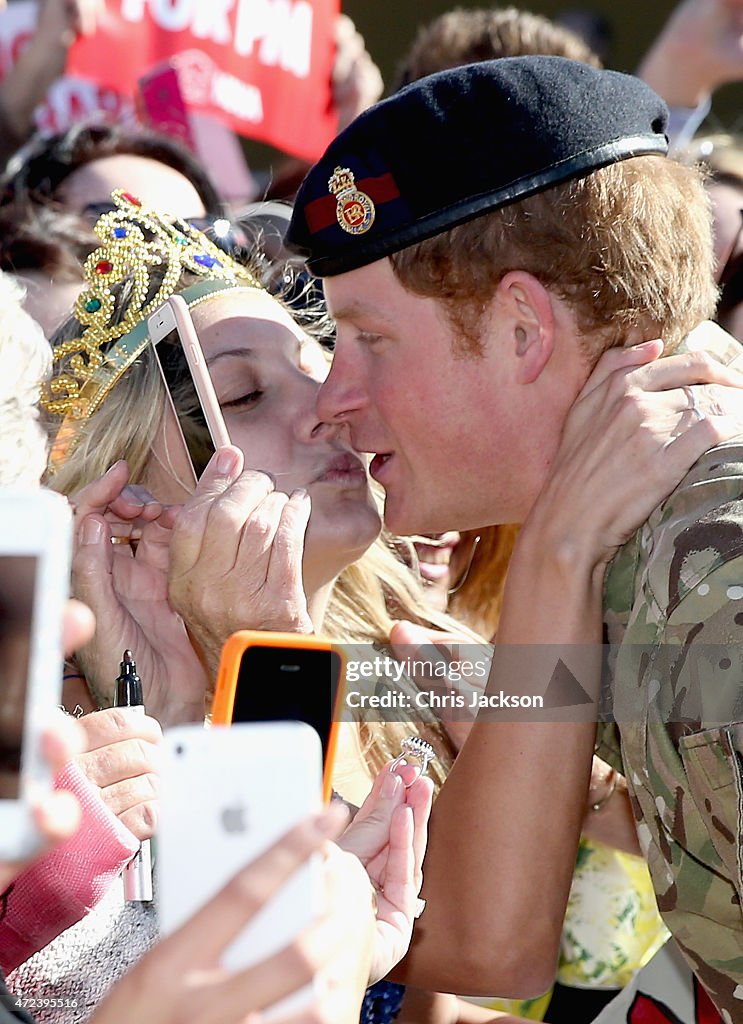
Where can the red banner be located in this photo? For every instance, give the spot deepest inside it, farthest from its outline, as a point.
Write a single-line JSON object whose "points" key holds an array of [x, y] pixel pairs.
{"points": [[262, 67]]}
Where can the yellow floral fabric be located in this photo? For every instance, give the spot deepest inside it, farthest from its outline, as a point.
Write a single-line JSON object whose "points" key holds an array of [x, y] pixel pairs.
{"points": [[612, 927]]}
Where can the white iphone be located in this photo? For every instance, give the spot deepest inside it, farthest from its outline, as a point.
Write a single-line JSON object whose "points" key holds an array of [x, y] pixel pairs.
{"points": [[35, 546], [187, 382], [228, 793]]}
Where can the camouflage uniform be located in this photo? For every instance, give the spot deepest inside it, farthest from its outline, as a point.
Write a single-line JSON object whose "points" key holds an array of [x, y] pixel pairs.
{"points": [[673, 608]]}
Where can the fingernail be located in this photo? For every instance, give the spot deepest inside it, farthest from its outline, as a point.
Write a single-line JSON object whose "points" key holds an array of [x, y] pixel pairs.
{"points": [[300, 494], [328, 821], [111, 469], [226, 462], [390, 784], [129, 494], [92, 532]]}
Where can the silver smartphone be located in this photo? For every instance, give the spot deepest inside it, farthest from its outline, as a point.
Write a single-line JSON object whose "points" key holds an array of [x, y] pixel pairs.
{"points": [[188, 384]]}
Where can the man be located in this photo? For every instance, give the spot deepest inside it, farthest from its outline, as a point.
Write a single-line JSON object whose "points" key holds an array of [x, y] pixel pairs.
{"points": [[485, 235]]}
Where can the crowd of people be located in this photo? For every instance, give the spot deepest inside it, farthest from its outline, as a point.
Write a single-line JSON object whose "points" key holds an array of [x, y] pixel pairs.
{"points": [[480, 371]]}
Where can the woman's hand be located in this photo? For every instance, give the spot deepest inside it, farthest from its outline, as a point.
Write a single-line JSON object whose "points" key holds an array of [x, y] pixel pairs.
{"points": [[182, 981], [629, 439], [389, 835], [128, 592], [236, 556], [121, 760]]}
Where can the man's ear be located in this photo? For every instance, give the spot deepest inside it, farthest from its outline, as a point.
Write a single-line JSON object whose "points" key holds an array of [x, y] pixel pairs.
{"points": [[526, 308]]}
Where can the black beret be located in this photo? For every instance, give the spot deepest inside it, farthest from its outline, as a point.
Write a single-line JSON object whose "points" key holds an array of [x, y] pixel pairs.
{"points": [[460, 143]]}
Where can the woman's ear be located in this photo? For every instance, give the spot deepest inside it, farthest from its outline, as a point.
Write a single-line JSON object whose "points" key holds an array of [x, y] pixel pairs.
{"points": [[526, 308]]}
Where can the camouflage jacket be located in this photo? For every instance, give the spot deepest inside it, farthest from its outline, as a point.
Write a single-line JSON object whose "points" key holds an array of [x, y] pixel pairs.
{"points": [[673, 609]]}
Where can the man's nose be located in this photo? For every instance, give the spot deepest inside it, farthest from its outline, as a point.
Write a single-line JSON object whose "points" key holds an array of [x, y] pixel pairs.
{"points": [[341, 393]]}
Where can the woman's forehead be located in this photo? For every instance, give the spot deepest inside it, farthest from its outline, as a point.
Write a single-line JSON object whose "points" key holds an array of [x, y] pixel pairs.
{"points": [[240, 305]]}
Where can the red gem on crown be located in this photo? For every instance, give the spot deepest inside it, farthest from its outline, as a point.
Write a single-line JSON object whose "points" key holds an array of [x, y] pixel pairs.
{"points": [[104, 267], [131, 199]]}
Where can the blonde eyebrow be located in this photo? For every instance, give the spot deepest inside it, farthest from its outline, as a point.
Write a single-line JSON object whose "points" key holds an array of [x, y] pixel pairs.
{"points": [[249, 352]]}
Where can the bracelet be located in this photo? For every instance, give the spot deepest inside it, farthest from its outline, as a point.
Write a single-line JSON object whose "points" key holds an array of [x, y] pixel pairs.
{"points": [[609, 793]]}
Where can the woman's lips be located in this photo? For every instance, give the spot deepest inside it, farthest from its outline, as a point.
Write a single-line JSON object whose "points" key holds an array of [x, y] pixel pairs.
{"points": [[346, 470]]}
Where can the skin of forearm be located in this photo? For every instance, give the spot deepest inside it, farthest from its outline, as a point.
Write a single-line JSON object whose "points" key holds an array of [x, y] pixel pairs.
{"points": [[675, 73], [28, 81], [505, 828], [420, 1007]]}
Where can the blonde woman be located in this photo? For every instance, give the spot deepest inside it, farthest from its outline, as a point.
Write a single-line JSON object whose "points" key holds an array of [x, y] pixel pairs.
{"points": [[290, 543]]}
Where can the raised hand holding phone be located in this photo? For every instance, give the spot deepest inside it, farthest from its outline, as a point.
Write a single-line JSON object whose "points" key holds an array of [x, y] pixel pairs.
{"points": [[34, 582], [227, 794], [282, 677]]}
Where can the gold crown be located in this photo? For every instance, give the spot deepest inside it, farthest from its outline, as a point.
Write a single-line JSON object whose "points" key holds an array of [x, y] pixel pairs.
{"points": [[135, 240], [341, 180]]}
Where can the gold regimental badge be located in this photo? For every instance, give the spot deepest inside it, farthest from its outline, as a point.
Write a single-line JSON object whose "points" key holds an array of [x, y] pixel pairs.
{"points": [[354, 209]]}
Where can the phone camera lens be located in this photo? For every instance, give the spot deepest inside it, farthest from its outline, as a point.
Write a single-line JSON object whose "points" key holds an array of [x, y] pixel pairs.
{"points": [[180, 749]]}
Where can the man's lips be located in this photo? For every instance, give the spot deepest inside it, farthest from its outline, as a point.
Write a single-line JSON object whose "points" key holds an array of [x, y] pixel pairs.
{"points": [[378, 465], [345, 469]]}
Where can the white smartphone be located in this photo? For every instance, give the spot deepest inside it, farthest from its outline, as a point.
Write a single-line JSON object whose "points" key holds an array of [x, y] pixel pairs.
{"points": [[187, 382], [228, 793], [35, 546]]}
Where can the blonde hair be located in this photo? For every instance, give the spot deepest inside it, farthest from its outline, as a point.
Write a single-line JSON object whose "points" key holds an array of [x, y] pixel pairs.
{"points": [[628, 247], [477, 600], [25, 361]]}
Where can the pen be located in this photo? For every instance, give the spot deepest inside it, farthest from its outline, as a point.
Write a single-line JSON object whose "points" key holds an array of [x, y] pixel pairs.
{"points": [[138, 872]]}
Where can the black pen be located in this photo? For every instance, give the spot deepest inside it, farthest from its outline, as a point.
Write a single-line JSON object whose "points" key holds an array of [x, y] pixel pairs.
{"points": [[138, 872]]}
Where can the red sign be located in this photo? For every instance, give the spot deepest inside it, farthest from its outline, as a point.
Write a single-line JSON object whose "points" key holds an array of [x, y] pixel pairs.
{"points": [[69, 99], [263, 67]]}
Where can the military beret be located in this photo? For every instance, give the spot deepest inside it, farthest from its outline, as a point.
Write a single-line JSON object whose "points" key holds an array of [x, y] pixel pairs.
{"points": [[458, 144]]}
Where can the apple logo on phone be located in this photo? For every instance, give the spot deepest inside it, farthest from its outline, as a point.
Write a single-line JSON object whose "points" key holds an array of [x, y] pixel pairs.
{"points": [[233, 818]]}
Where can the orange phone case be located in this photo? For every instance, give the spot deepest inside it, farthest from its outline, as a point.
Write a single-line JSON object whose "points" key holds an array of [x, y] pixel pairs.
{"points": [[229, 670]]}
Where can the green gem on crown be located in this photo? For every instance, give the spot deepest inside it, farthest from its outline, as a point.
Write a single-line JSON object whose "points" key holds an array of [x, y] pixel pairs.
{"points": [[92, 305]]}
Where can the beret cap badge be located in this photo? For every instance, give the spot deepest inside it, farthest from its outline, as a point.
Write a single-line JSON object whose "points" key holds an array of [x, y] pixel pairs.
{"points": [[354, 209]]}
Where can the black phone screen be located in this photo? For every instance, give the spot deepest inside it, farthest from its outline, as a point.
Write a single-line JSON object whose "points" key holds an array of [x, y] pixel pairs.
{"points": [[178, 380], [288, 684], [17, 586]]}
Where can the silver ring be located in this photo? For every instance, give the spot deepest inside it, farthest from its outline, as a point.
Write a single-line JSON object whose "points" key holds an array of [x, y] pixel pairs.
{"points": [[414, 746], [420, 906], [693, 404]]}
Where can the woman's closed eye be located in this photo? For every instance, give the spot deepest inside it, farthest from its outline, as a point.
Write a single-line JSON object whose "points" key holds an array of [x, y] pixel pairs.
{"points": [[242, 401]]}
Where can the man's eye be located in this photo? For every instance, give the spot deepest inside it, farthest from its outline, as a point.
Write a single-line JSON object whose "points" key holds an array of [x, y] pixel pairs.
{"points": [[244, 400], [366, 338]]}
